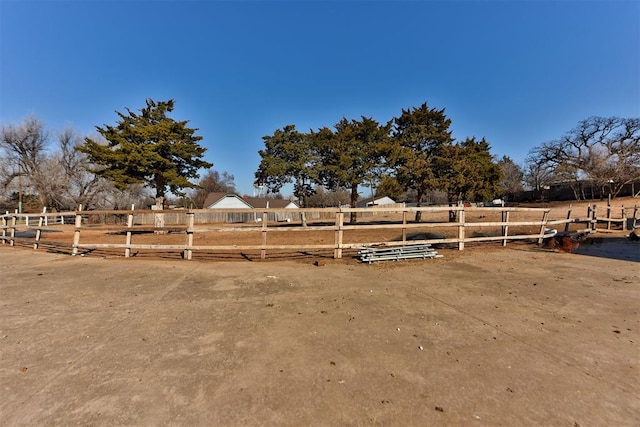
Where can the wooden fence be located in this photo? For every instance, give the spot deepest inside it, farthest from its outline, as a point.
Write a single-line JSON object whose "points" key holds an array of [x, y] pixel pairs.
{"points": [[504, 223]]}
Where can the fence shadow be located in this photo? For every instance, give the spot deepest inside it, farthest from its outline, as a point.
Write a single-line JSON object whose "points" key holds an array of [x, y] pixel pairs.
{"points": [[620, 248]]}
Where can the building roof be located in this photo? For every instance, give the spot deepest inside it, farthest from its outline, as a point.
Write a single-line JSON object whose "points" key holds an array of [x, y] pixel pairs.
{"points": [[375, 201], [261, 202], [251, 202], [214, 198]]}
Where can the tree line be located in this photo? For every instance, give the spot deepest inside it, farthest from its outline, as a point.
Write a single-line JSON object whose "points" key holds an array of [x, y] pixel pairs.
{"points": [[412, 152], [148, 156]]}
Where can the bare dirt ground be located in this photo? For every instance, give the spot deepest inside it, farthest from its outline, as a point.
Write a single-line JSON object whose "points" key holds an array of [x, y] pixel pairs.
{"points": [[488, 336]]}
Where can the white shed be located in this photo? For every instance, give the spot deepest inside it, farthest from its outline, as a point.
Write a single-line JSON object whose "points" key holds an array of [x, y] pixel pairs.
{"points": [[377, 201], [225, 201]]}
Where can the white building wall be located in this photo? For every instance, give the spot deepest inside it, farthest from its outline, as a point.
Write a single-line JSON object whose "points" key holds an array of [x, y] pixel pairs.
{"points": [[229, 202]]}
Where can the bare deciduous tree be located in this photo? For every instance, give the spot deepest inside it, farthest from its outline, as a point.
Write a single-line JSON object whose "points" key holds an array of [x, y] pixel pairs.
{"points": [[512, 176], [59, 179], [604, 150], [213, 182], [70, 184], [324, 198], [25, 148]]}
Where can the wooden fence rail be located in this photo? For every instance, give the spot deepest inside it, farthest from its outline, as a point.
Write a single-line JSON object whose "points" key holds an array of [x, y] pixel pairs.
{"points": [[534, 225]]}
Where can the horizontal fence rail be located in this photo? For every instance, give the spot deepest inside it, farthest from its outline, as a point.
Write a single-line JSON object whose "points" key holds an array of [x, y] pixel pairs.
{"points": [[503, 224]]}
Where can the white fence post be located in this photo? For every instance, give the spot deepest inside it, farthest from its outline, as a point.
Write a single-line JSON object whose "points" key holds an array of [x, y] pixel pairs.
{"points": [[461, 229], [76, 231]]}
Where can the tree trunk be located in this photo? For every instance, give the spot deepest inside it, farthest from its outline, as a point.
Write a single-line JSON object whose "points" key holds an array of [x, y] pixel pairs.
{"points": [[354, 202], [576, 194], [303, 204], [453, 215], [158, 218], [419, 197], [160, 191], [617, 188]]}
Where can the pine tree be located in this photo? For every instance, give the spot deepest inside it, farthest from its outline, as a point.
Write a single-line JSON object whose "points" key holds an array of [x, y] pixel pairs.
{"points": [[467, 171], [288, 157], [352, 154], [148, 148], [420, 134]]}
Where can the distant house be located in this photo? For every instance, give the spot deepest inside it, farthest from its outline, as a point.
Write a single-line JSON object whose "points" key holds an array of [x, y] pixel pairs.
{"points": [[233, 201], [228, 201], [378, 201], [264, 203], [261, 203], [225, 201]]}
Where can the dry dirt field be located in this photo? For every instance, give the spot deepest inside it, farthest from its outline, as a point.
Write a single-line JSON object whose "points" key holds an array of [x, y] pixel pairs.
{"points": [[487, 336]]}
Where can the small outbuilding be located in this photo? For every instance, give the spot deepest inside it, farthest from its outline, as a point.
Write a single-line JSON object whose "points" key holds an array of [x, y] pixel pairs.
{"points": [[225, 201], [376, 201], [233, 201]]}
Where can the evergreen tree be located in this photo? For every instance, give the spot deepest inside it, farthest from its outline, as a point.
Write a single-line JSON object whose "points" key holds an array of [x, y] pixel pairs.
{"points": [[390, 187], [482, 173], [468, 171], [351, 155], [288, 157], [420, 134], [148, 148]]}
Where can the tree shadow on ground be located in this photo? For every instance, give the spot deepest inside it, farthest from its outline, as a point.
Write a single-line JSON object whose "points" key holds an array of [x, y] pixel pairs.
{"points": [[622, 248]]}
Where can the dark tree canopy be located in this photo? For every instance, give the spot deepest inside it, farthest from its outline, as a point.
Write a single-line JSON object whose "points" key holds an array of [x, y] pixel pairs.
{"points": [[421, 134], [351, 155], [467, 171], [390, 187], [288, 157], [411, 154], [148, 148], [482, 173]]}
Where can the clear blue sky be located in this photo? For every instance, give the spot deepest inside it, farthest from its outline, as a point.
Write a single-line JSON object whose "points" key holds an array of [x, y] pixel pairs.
{"points": [[518, 73]]}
